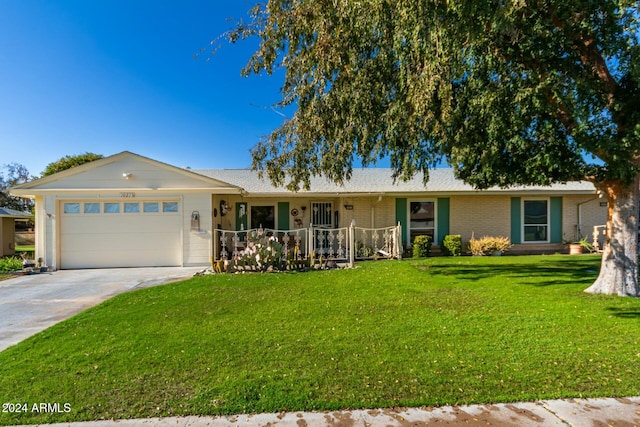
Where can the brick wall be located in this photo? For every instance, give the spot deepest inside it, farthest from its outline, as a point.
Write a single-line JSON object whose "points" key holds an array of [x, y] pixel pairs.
{"points": [[479, 214], [482, 215]]}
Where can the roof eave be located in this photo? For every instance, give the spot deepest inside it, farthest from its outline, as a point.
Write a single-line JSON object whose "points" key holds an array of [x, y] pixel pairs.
{"points": [[31, 193], [405, 193]]}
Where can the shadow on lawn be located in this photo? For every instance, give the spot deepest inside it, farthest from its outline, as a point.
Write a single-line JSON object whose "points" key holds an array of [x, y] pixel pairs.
{"points": [[547, 273], [625, 313]]}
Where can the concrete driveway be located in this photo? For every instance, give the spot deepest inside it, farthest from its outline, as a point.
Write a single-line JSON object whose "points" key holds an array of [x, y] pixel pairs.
{"points": [[29, 304]]}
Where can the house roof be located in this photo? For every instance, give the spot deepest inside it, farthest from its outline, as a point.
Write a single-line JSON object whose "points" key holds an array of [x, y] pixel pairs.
{"points": [[12, 213], [147, 174], [379, 180]]}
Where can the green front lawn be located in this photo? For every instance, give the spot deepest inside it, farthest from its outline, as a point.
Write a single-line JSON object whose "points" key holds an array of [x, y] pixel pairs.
{"points": [[418, 332]]}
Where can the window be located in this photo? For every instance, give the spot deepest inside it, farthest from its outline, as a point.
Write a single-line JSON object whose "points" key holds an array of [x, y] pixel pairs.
{"points": [[131, 207], [422, 219], [536, 220], [170, 207], [263, 216], [111, 207], [151, 207], [118, 207], [72, 208], [91, 208]]}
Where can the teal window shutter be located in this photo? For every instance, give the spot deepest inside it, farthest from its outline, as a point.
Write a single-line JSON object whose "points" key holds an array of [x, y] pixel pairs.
{"points": [[555, 221], [401, 217], [242, 216], [443, 218], [516, 220], [283, 215]]}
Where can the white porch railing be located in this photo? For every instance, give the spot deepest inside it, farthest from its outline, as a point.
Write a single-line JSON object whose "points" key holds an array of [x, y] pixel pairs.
{"points": [[229, 244], [339, 244], [331, 243], [373, 243]]}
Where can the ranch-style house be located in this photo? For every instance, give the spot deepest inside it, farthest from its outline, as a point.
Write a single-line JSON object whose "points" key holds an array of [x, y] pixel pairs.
{"points": [[127, 210]]}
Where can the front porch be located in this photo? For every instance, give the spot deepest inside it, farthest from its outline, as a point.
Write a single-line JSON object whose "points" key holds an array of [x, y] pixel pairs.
{"points": [[343, 244]]}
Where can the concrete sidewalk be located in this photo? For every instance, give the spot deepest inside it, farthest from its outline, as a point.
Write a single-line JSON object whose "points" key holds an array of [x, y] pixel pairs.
{"points": [[561, 413]]}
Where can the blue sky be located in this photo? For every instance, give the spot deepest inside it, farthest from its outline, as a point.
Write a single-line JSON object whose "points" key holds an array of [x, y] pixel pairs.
{"points": [[110, 75]]}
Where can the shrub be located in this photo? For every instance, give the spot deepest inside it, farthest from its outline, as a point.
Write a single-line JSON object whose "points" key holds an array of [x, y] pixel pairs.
{"points": [[497, 244], [421, 246], [476, 246], [10, 264], [452, 245], [488, 244], [262, 253]]}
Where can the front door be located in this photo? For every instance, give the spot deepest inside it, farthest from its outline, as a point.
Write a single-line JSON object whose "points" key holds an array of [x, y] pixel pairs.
{"points": [[322, 214], [321, 217]]}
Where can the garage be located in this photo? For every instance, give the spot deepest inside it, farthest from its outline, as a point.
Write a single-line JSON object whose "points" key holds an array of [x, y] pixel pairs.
{"points": [[120, 233]]}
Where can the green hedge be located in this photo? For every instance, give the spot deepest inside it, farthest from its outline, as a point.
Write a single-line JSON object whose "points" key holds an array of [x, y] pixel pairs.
{"points": [[422, 246], [452, 245]]}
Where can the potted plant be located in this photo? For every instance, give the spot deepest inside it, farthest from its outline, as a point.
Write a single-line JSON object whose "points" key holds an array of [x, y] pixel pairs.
{"points": [[41, 266], [579, 246]]}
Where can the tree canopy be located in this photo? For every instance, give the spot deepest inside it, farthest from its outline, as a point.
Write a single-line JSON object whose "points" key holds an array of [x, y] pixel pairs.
{"points": [[14, 174], [508, 92], [70, 161]]}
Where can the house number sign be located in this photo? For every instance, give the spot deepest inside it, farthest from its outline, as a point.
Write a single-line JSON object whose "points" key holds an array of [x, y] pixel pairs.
{"points": [[127, 195]]}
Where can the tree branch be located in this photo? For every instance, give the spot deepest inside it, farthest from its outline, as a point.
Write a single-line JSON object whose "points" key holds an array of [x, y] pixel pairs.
{"points": [[590, 55]]}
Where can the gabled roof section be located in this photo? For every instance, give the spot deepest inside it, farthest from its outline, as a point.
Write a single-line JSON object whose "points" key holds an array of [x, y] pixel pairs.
{"points": [[124, 171], [379, 181]]}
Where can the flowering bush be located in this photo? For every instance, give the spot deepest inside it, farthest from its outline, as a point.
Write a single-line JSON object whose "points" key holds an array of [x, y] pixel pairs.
{"points": [[262, 253]]}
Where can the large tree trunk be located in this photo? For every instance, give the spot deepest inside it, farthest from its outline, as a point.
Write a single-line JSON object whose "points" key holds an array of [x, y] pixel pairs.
{"points": [[619, 270]]}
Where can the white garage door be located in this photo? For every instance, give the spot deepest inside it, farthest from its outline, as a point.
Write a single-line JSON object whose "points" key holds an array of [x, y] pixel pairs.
{"points": [[112, 233]]}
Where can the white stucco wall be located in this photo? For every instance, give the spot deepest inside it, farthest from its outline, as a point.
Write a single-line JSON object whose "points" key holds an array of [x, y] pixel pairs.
{"points": [[197, 243]]}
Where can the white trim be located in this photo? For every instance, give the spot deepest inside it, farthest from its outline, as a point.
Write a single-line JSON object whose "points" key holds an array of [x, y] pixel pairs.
{"points": [[523, 225]]}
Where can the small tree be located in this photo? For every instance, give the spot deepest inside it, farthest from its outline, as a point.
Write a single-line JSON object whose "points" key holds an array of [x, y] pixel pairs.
{"points": [[68, 162], [14, 174]]}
